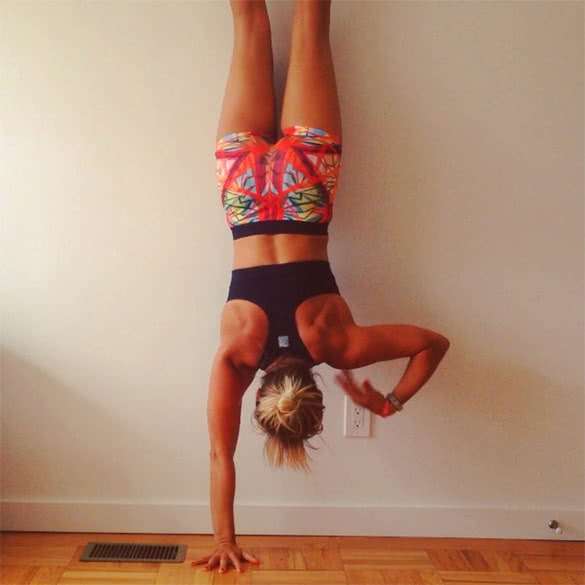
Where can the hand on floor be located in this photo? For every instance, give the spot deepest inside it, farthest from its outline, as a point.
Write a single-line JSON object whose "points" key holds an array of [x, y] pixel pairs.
{"points": [[224, 555]]}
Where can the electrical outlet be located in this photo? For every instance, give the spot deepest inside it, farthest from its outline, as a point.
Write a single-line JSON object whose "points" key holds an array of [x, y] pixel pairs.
{"points": [[357, 420]]}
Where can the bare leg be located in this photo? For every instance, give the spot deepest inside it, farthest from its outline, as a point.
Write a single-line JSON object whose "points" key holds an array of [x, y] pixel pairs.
{"points": [[310, 97], [249, 102]]}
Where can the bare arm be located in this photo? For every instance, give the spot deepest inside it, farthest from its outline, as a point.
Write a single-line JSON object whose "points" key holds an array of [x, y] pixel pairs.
{"points": [[227, 386], [419, 369], [231, 375], [377, 343]]}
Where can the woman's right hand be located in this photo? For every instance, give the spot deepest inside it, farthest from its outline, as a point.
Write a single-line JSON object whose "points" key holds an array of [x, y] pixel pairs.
{"points": [[225, 554], [365, 395]]}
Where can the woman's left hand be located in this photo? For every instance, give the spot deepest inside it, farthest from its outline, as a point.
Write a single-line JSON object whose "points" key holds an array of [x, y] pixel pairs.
{"points": [[365, 395]]}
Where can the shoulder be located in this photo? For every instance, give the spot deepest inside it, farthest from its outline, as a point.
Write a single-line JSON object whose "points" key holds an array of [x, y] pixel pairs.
{"points": [[243, 331], [327, 310], [324, 323]]}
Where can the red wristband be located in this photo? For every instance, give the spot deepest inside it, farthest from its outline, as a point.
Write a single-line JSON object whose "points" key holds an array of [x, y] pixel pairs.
{"points": [[387, 409]]}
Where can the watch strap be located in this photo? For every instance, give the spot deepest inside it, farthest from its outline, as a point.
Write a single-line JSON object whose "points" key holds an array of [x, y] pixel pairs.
{"points": [[391, 398]]}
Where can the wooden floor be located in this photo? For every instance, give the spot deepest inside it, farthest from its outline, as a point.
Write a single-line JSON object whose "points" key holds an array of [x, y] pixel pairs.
{"points": [[49, 558]]}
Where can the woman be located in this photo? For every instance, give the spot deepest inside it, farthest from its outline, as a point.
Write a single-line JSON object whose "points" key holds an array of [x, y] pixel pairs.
{"points": [[284, 313]]}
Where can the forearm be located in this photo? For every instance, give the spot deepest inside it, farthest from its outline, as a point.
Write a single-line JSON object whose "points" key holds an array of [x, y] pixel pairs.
{"points": [[223, 487], [420, 368]]}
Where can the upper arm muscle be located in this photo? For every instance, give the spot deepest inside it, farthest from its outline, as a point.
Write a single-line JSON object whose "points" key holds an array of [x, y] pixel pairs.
{"points": [[377, 343]]}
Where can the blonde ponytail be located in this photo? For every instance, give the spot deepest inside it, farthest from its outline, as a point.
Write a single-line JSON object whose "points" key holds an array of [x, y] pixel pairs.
{"points": [[289, 411]]}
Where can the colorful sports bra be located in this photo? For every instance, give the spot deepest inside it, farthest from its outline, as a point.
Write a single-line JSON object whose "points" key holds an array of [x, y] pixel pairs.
{"points": [[286, 187]]}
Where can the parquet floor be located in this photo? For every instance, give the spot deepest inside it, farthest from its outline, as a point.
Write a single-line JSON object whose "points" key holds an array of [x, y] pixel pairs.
{"points": [[53, 559]]}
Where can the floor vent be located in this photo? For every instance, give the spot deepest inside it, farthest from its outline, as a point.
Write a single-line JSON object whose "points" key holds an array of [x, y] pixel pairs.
{"points": [[134, 552]]}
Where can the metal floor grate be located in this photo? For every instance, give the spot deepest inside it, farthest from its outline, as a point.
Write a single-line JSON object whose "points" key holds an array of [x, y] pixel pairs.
{"points": [[134, 552]]}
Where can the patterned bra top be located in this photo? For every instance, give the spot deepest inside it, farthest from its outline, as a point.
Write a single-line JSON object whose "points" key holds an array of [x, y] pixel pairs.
{"points": [[286, 187]]}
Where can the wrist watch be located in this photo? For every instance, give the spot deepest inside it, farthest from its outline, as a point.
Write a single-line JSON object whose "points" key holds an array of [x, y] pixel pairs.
{"points": [[391, 401]]}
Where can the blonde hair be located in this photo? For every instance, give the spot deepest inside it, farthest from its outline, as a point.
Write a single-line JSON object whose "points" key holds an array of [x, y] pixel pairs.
{"points": [[290, 411]]}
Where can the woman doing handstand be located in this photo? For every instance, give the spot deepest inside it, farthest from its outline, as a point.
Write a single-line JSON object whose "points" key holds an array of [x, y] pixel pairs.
{"points": [[284, 313]]}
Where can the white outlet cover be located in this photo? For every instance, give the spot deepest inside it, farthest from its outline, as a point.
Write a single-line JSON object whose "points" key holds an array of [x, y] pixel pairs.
{"points": [[356, 420]]}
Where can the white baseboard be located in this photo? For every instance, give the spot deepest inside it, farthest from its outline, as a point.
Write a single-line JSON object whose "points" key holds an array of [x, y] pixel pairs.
{"points": [[188, 518]]}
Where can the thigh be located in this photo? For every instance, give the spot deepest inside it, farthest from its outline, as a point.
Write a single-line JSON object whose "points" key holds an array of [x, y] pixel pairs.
{"points": [[249, 102], [241, 173], [310, 96], [311, 170]]}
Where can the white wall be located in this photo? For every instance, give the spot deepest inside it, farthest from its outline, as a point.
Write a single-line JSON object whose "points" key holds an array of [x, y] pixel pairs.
{"points": [[460, 209]]}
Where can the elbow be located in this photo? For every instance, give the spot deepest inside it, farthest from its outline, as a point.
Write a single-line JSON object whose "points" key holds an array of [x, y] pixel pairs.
{"points": [[221, 455], [443, 344], [438, 342]]}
